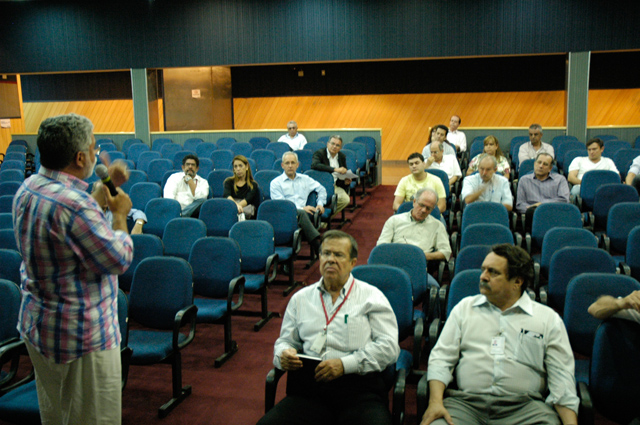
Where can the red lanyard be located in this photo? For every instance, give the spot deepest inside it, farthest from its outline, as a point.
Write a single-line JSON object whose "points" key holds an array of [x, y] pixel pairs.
{"points": [[326, 316]]}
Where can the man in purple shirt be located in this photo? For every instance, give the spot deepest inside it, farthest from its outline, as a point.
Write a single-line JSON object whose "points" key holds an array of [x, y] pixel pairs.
{"points": [[68, 317]]}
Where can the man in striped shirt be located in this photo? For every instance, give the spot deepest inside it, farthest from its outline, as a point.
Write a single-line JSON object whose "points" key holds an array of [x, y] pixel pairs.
{"points": [[68, 317]]}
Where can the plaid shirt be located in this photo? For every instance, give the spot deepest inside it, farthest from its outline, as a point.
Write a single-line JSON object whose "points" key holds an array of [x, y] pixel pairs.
{"points": [[70, 256]]}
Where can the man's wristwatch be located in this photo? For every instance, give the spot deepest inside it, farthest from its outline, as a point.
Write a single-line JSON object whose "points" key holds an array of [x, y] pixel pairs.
{"points": [[140, 222], [188, 178]]}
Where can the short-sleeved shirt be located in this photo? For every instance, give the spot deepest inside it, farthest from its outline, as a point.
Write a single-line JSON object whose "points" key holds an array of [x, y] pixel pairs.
{"points": [[449, 165], [408, 186], [499, 190], [527, 151], [296, 142], [584, 164]]}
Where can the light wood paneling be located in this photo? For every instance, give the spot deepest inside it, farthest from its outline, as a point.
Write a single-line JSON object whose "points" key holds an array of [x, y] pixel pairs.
{"points": [[614, 107], [106, 115]]}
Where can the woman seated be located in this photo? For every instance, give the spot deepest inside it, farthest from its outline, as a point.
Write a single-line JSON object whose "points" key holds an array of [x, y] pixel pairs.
{"points": [[491, 147], [242, 188]]}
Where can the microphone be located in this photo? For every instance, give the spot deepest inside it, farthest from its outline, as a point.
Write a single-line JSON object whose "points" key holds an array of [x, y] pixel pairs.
{"points": [[103, 173]]}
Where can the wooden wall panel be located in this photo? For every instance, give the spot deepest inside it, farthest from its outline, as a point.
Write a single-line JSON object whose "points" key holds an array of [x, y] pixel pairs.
{"points": [[106, 115], [614, 107]]}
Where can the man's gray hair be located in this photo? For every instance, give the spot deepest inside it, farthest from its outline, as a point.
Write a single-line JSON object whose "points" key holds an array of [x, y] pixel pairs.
{"points": [[546, 154], [535, 127], [423, 190], [439, 145], [61, 138], [292, 122], [485, 156], [290, 153]]}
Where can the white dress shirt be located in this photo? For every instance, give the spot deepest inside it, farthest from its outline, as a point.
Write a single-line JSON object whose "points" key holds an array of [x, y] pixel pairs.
{"points": [[458, 138], [176, 188], [296, 142]]}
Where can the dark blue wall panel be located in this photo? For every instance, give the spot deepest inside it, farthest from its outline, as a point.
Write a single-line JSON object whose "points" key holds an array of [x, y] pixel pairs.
{"points": [[38, 36]]}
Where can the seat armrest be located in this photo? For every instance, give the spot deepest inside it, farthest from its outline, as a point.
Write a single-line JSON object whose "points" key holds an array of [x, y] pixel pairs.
{"points": [[185, 316], [536, 277], [518, 238], [422, 396], [399, 390], [527, 241], [235, 286], [605, 243], [10, 352], [544, 296], [442, 299], [271, 385], [125, 360], [418, 331], [624, 268], [434, 332], [297, 241], [271, 268], [585, 410]]}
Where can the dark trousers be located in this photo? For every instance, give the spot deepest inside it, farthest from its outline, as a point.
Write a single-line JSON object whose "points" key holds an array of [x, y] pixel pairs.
{"points": [[308, 229]]}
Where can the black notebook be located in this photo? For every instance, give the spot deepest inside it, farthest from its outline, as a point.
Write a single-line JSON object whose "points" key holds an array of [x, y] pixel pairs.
{"points": [[302, 381]]}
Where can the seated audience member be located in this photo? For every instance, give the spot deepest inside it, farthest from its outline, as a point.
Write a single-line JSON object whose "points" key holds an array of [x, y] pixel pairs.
{"points": [[418, 179], [447, 163], [486, 186], [539, 187], [582, 164], [417, 227], [632, 176], [491, 148], [535, 145], [455, 136], [294, 139], [623, 308], [439, 134], [512, 358], [331, 160], [350, 325], [136, 217], [296, 188], [187, 187], [242, 188]]}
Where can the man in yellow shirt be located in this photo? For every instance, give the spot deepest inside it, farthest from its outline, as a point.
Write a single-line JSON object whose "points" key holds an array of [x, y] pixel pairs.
{"points": [[418, 179]]}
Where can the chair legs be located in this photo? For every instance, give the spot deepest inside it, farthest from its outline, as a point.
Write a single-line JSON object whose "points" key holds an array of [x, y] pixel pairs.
{"points": [[266, 314], [230, 346], [179, 392]]}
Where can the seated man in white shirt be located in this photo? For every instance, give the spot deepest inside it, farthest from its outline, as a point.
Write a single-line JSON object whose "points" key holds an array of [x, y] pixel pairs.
{"points": [[295, 140], [623, 308], [447, 163], [534, 146], [582, 164], [455, 136], [508, 353], [486, 185], [187, 187]]}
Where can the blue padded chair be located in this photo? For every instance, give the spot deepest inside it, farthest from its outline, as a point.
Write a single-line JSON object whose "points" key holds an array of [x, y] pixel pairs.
{"points": [[591, 181], [15, 156], [6, 220], [169, 150], [8, 239], [282, 215], [10, 298], [216, 279], [623, 159], [131, 166], [144, 246], [304, 158], [478, 212], [405, 207], [180, 234], [225, 142], [451, 197], [259, 142], [583, 290], [116, 155], [569, 156], [104, 140], [324, 139], [259, 261], [192, 144], [242, 148], [561, 237], [10, 269], [159, 212], [128, 143], [252, 164], [178, 157], [145, 158], [222, 159], [547, 216], [161, 301], [277, 166], [605, 137], [614, 382], [485, 233], [352, 165], [12, 176], [159, 143], [362, 161], [560, 140], [216, 180], [165, 178], [314, 146], [204, 150], [633, 252], [395, 284], [326, 180], [264, 178], [219, 215], [264, 158], [607, 196], [19, 142], [613, 146], [135, 176], [6, 202], [9, 188], [12, 164], [107, 146], [477, 147], [278, 148], [370, 145], [206, 166], [141, 193], [157, 168], [469, 257], [567, 147], [135, 150], [623, 217], [567, 263]]}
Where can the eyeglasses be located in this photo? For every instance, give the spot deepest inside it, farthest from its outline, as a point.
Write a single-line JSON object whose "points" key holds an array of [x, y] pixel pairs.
{"points": [[334, 144], [337, 255], [291, 128]]}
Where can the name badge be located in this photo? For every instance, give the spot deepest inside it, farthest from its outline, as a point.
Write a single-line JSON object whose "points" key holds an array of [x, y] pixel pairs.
{"points": [[497, 345], [319, 343]]}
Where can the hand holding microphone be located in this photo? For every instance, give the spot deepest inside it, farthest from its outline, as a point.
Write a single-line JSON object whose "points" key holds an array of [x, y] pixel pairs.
{"points": [[103, 174]]}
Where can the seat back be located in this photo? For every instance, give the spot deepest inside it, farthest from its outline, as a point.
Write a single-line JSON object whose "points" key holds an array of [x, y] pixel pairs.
{"points": [[242, 148], [12, 164], [123, 318], [614, 381], [485, 233], [633, 252], [222, 159], [256, 241], [464, 284], [169, 150], [409, 258], [135, 176], [11, 261], [264, 158], [569, 156], [8, 239], [180, 234], [9, 188], [484, 212], [225, 142], [216, 180], [159, 143], [15, 156], [145, 158], [444, 178], [279, 148], [566, 147], [128, 143], [12, 176], [192, 144], [360, 151], [477, 147], [161, 287], [315, 146], [159, 212], [219, 215], [561, 237], [471, 257], [591, 181], [6, 202], [613, 146], [583, 290], [206, 166], [324, 139], [134, 151], [215, 262], [553, 214], [304, 158], [204, 150], [108, 147], [157, 168], [282, 215], [259, 143], [264, 178], [144, 246], [569, 262], [559, 140], [622, 218], [606, 197], [10, 298], [177, 157], [623, 159], [6, 220], [370, 145], [141, 193]]}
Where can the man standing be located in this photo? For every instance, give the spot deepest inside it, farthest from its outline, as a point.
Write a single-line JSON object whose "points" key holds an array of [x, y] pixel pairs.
{"points": [[418, 179], [417, 227], [68, 317], [439, 134], [456, 137], [331, 160], [447, 163], [507, 351], [535, 145], [296, 188], [187, 187], [486, 185], [540, 186], [295, 140], [350, 325], [594, 161]]}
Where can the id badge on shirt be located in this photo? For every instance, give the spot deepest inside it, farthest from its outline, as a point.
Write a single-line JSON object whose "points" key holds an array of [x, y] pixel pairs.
{"points": [[319, 343], [497, 345]]}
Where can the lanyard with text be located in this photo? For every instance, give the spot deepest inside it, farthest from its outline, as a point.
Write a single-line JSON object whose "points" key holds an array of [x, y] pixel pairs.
{"points": [[326, 316]]}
